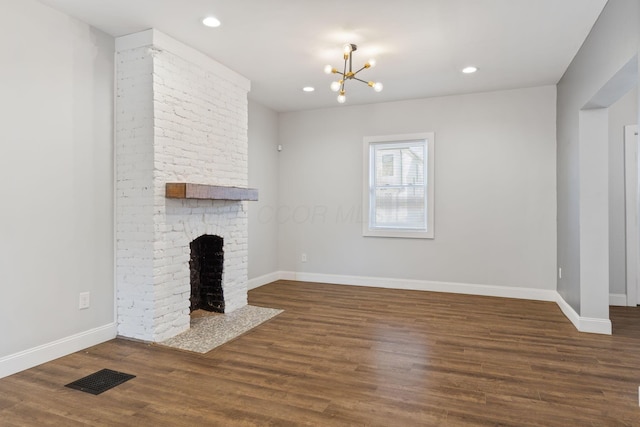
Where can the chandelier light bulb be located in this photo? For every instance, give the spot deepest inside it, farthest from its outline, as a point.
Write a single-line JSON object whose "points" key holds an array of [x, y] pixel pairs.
{"points": [[335, 86], [347, 48], [328, 69], [342, 99], [372, 63], [378, 87]]}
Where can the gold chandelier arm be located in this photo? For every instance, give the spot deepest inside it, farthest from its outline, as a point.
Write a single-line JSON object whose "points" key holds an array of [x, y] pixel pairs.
{"points": [[360, 70], [360, 80], [344, 73]]}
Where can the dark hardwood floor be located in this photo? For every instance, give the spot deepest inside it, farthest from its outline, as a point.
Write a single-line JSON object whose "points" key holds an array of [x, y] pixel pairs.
{"points": [[343, 355]]}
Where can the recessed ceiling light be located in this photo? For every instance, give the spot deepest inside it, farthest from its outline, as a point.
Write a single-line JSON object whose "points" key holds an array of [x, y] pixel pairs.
{"points": [[469, 70], [211, 21], [308, 89]]}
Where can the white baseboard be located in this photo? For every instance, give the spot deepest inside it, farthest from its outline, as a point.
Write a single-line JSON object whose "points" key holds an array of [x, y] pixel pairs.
{"points": [[26, 359], [584, 324], [426, 285], [256, 282], [265, 279], [618, 300], [287, 275]]}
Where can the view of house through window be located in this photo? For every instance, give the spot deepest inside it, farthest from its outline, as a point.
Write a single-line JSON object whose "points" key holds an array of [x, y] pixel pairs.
{"points": [[399, 186]]}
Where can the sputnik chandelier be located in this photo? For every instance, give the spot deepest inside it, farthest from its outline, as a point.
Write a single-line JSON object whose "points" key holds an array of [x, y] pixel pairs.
{"points": [[349, 74]]}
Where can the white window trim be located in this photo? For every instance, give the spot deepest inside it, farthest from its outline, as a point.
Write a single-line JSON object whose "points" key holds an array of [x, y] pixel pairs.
{"points": [[429, 137]]}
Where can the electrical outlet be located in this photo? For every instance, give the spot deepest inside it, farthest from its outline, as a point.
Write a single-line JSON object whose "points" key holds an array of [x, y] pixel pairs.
{"points": [[303, 257], [84, 300]]}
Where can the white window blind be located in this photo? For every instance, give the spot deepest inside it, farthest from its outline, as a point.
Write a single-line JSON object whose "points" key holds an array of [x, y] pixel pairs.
{"points": [[399, 187]]}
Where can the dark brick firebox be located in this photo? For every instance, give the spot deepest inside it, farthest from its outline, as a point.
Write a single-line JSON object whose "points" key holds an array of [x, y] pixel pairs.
{"points": [[206, 265]]}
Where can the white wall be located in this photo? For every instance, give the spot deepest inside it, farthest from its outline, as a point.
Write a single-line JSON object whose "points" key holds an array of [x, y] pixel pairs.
{"points": [[622, 113], [56, 167], [263, 175], [495, 190], [612, 43]]}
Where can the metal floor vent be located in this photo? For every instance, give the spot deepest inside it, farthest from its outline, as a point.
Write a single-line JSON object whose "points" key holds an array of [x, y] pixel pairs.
{"points": [[100, 381]]}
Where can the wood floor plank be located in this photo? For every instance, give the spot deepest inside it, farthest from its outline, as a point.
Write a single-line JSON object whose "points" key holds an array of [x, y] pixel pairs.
{"points": [[341, 355]]}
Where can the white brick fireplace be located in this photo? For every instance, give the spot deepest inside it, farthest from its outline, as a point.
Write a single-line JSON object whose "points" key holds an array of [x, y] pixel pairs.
{"points": [[180, 117]]}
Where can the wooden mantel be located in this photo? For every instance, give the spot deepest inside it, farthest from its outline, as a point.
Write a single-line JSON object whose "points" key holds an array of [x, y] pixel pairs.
{"points": [[185, 190]]}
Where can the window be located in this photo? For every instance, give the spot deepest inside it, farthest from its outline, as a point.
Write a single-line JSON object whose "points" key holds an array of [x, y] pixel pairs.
{"points": [[399, 186]]}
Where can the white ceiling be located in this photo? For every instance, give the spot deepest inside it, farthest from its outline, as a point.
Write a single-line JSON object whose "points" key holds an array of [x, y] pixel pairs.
{"points": [[420, 45]]}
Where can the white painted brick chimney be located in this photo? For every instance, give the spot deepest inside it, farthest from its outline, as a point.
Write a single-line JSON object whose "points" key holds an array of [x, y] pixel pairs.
{"points": [[180, 117]]}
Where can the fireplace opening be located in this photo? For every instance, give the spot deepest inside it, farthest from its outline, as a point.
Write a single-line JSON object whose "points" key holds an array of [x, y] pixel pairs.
{"points": [[206, 264]]}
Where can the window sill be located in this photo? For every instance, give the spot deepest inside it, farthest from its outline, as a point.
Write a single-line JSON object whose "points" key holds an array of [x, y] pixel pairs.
{"points": [[398, 233]]}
